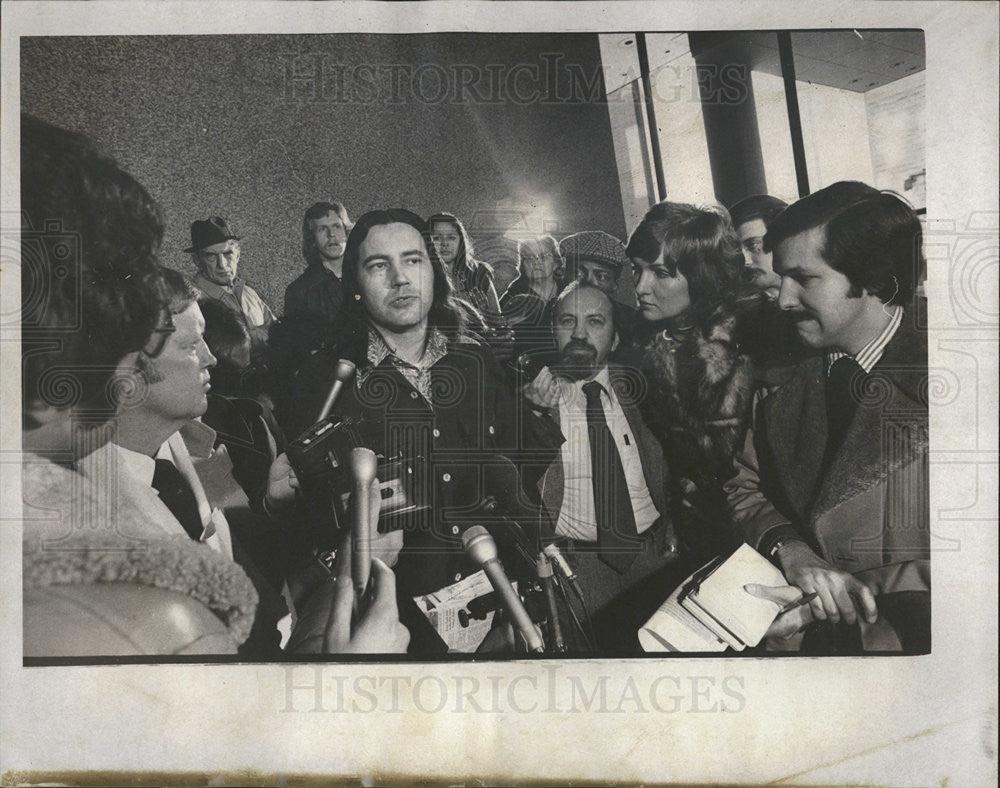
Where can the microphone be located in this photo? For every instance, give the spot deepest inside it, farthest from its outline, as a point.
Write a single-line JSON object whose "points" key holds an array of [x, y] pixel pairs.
{"points": [[481, 548], [363, 464], [545, 576], [343, 372], [556, 557]]}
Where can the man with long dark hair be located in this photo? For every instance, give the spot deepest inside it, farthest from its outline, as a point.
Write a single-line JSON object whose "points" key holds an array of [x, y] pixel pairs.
{"points": [[424, 389]]}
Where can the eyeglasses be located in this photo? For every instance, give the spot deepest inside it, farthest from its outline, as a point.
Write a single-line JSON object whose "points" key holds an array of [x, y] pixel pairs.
{"points": [[158, 339]]}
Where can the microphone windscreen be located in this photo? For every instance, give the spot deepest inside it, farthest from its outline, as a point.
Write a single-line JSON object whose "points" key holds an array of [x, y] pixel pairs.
{"points": [[479, 545], [344, 370]]}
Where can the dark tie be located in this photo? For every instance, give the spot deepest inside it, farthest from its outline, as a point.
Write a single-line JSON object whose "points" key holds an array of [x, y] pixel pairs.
{"points": [[616, 534], [843, 388], [178, 497]]}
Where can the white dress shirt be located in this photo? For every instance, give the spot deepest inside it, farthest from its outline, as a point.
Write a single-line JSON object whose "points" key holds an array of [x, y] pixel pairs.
{"points": [[577, 519]]}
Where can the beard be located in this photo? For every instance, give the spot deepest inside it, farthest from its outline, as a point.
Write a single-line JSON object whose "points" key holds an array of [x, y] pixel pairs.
{"points": [[578, 359]]}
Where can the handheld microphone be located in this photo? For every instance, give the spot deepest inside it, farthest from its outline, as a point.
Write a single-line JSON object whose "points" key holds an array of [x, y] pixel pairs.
{"points": [[481, 548], [343, 372], [545, 576], [363, 464]]}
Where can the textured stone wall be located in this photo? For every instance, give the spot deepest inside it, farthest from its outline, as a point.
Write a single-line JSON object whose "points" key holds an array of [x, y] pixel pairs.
{"points": [[256, 128]]}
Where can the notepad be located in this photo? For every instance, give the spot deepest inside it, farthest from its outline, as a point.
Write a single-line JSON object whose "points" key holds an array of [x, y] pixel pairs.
{"points": [[711, 610]]}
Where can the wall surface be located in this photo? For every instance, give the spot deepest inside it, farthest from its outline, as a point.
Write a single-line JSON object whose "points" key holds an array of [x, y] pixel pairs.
{"points": [[256, 128]]}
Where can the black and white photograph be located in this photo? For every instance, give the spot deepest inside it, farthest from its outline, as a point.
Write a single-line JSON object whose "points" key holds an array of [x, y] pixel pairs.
{"points": [[404, 386]]}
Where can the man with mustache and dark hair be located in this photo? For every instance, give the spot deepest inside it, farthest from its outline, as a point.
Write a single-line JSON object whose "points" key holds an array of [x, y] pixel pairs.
{"points": [[832, 480], [604, 491]]}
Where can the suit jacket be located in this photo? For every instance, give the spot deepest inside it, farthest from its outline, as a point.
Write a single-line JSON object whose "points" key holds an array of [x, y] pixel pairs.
{"points": [[207, 471], [223, 507], [654, 469], [867, 512]]}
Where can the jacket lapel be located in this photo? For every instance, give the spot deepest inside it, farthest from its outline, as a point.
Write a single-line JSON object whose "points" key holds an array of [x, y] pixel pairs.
{"points": [[650, 451], [797, 443], [889, 428]]}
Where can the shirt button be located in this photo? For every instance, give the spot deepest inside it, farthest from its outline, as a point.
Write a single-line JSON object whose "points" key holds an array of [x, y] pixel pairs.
{"points": [[446, 477], [492, 431], [436, 433], [413, 395], [454, 530], [458, 576]]}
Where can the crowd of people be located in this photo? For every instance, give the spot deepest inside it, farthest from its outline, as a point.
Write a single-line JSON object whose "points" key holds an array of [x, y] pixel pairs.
{"points": [[766, 385]]}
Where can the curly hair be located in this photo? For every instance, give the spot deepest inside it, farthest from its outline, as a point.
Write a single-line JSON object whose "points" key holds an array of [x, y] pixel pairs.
{"points": [[700, 243]]}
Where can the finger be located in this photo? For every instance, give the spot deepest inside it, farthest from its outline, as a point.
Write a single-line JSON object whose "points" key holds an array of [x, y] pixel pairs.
{"points": [[293, 480], [845, 605], [865, 598], [780, 595], [338, 625], [374, 505], [829, 607], [383, 591], [816, 603]]}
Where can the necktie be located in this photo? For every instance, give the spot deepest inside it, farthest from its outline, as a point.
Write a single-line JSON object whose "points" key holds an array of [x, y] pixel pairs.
{"points": [[616, 533], [842, 392], [178, 497]]}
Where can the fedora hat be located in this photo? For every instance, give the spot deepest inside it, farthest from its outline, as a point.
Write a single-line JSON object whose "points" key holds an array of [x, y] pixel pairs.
{"points": [[210, 231]]}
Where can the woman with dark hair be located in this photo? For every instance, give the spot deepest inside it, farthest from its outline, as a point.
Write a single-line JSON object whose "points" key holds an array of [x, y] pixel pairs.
{"points": [[471, 279], [696, 313], [528, 300]]}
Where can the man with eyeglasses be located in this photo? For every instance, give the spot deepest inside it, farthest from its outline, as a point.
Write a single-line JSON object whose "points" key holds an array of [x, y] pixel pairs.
{"points": [[109, 569]]}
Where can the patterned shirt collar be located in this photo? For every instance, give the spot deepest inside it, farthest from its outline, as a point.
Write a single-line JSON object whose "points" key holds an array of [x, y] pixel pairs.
{"points": [[871, 353], [417, 374]]}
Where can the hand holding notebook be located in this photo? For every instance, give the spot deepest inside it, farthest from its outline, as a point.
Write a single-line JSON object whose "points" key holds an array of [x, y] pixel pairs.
{"points": [[712, 610]]}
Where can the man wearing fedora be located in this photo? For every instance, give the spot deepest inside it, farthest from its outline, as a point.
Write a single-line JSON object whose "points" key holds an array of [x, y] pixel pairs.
{"points": [[216, 252]]}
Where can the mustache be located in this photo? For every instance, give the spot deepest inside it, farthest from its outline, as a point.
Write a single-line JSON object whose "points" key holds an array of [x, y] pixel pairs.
{"points": [[578, 346]]}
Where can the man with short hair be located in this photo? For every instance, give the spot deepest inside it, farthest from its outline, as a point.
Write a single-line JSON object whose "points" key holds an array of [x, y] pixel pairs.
{"points": [[215, 249], [751, 217], [605, 491], [832, 480], [597, 259]]}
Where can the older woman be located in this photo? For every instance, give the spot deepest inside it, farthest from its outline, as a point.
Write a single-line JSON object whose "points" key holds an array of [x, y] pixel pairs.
{"points": [[697, 314], [526, 303]]}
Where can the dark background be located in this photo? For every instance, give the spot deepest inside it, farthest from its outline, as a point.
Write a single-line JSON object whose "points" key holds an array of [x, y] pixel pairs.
{"points": [[256, 128]]}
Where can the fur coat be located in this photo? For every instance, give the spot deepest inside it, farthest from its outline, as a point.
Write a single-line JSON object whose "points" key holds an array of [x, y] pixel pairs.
{"points": [[700, 384]]}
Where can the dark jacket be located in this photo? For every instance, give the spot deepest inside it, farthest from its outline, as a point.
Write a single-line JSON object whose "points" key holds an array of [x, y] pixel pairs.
{"points": [[316, 295], [867, 511], [474, 417]]}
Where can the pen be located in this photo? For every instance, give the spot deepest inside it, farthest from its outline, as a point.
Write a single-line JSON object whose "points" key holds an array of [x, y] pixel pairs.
{"points": [[803, 600]]}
